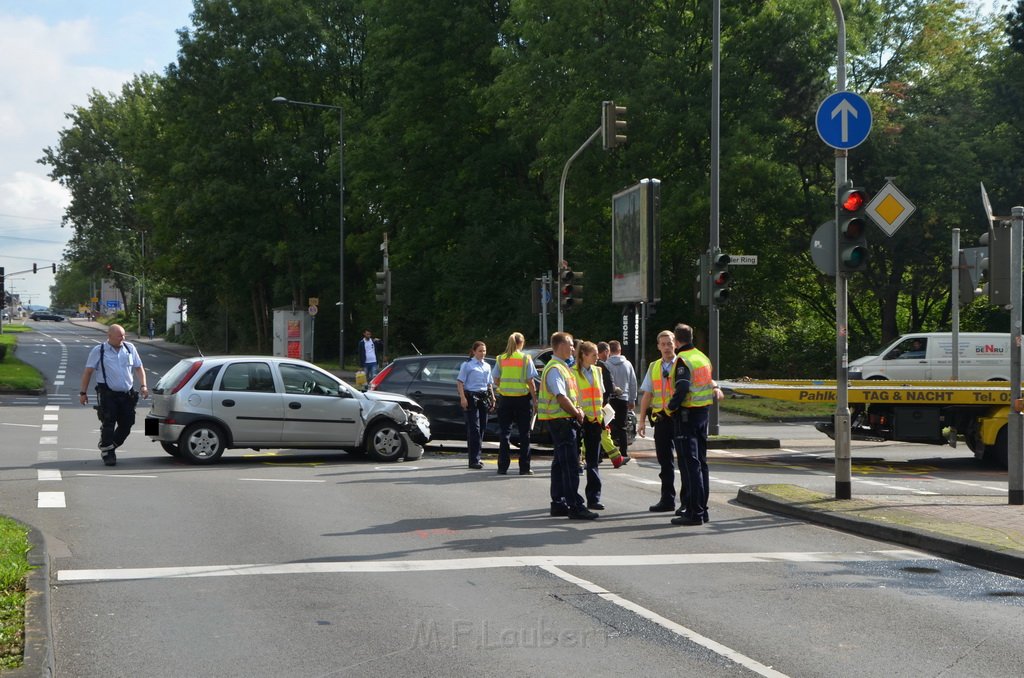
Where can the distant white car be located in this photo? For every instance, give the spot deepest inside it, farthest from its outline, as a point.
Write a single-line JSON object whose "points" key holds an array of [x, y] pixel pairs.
{"points": [[205, 405]]}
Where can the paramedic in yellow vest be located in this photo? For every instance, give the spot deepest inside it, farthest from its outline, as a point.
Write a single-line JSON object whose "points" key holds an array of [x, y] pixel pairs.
{"points": [[590, 383], [657, 390], [558, 407], [514, 377], [694, 391]]}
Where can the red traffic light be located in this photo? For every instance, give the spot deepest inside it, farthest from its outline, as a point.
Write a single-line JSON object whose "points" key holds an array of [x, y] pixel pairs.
{"points": [[721, 278], [853, 201]]}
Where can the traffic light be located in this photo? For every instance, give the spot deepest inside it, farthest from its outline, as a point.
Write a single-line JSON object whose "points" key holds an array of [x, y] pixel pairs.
{"points": [[570, 289], [704, 280], [384, 287], [720, 278], [969, 269], [853, 227], [995, 266], [1, 281], [110, 268], [35, 269], [613, 125], [53, 267]]}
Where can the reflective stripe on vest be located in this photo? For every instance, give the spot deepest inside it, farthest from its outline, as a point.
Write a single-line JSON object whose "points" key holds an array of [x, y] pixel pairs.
{"points": [[590, 394], [662, 388], [700, 393], [547, 402], [512, 379]]}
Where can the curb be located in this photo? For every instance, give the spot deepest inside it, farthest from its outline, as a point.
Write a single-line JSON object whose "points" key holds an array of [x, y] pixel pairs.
{"points": [[38, 657], [961, 550]]}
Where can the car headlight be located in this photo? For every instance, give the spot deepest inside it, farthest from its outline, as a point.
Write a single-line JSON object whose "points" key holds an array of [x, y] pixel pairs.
{"points": [[419, 430]]}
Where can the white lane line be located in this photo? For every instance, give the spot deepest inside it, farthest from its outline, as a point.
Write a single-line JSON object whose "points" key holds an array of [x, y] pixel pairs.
{"points": [[51, 417], [281, 480], [680, 630], [7, 423], [643, 481], [48, 474], [48, 428], [726, 482], [48, 440], [114, 475], [341, 566], [51, 500], [980, 487]]}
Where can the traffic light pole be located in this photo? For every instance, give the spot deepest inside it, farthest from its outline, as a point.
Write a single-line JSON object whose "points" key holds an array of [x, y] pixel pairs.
{"points": [[843, 467], [561, 210], [1015, 449], [716, 82]]}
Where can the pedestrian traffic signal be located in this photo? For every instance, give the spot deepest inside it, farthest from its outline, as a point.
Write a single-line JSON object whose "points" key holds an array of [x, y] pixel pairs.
{"points": [[721, 279], [613, 125], [570, 289], [853, 227], [384, 287]]}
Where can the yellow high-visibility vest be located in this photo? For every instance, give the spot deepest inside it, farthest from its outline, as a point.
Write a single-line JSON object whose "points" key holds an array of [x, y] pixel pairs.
{"points": [[662, 388], [547, 403], [513, 377], [701, 394], [590, 394]]}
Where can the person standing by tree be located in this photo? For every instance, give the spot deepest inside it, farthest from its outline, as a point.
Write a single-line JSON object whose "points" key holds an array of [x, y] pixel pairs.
{"points": [[476, 395], [370, 353], [116, 360], [517, 400]]}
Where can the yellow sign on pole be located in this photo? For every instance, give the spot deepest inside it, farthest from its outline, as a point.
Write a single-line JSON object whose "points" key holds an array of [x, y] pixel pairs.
{"points": [[314, 301], [890, 208]]}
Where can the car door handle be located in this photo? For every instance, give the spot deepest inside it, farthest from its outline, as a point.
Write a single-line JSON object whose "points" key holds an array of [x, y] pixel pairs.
{"points": [[228, 403], [294, 405]]}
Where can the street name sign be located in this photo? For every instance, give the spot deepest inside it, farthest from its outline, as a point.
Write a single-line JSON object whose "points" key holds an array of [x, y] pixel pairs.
{"points": [[843, 120], [743, 260], [889, 208]]}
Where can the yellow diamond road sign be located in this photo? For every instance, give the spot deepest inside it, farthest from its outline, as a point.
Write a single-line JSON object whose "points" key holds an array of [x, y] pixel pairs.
{"points": [[889, 209]]}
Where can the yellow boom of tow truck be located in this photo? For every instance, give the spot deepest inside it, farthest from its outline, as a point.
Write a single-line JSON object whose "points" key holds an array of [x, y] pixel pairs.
{"points": [[929, 412]]}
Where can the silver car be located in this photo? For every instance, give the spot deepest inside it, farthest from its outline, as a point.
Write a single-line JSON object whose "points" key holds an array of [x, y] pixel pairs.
{"points": [[205, 405]]}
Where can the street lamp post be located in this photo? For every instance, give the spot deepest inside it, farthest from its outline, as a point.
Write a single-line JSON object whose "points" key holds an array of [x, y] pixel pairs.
{"points": [[341, 217]]}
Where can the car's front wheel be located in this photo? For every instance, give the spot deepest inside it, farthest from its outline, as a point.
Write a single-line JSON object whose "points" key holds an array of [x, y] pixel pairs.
{"points": [[384, 442], [201, 443]]}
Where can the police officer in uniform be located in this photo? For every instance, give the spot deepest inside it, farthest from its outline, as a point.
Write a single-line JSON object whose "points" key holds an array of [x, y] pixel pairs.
{"points": [[514, 379], [558, 406], [658, 386], [694, 391]]}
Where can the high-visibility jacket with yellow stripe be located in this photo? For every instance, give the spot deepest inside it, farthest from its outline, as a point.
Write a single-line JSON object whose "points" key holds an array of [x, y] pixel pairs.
{"points": [[547, 403], [513, 375], [591, 393], [662, 388], [701, 394]]}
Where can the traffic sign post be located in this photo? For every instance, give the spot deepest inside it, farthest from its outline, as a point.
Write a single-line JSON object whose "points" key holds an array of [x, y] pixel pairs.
{"points": [[843, 120]]}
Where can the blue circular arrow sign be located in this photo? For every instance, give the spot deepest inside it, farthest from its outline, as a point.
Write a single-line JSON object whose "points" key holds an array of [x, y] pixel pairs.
{"points": [[843, 120]]}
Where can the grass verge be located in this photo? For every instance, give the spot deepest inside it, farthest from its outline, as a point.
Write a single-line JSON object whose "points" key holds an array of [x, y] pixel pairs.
{"points": [[14, 374], [14, 548], [775, 410]]}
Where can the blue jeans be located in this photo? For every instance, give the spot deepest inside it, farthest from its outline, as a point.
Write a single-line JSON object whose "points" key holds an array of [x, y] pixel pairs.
{"points": [[371, 371], [565, 463]]}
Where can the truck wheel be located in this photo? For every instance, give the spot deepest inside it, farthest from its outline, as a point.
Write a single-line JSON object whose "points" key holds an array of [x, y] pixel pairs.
{"points": [[384, 442], [201, 443], [998, 454]]}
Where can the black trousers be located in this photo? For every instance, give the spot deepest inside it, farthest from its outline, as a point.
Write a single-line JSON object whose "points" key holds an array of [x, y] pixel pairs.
{"points": [[692, 443], [665, 448], [117, 416], [618, 425], [516, 410]]}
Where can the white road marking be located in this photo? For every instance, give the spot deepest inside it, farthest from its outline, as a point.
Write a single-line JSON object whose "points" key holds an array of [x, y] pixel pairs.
{"points": [[114, 475], [48, 474], [48, 428], [47, 455], [281, 480], [643, 481], [7, 423], [51, 417], [342, 566], [982, 487], [51, 500], [691, 635]]}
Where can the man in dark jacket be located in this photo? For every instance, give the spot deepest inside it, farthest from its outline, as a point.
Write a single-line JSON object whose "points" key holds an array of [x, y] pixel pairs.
{"points": [[370, 352]]}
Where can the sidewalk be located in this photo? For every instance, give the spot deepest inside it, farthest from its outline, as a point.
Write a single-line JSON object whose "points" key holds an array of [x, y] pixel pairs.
{"points": [[982, 531]]}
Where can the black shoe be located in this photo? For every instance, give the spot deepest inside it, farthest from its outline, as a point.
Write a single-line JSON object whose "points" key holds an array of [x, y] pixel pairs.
{"points": [[625, 460], [595, 505], [527, 472], [559, 510], [582, 514], [661, 507], [687, 519], [109, 458], [502, 472], [476, 466]]}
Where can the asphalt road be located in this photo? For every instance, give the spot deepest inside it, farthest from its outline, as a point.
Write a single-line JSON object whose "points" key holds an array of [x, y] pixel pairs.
{"points": [[298, 564]]}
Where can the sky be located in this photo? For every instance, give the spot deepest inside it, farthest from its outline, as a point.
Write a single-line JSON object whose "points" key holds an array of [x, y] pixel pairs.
{"points": [[53, 53]]}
